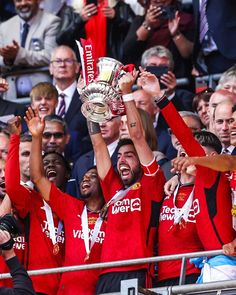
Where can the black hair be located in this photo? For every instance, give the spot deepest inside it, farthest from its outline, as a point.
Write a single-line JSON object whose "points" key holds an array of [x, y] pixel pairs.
{"points": [[57, 119], [234, 108], [208, 139], [124, 141], [25, 137], [66, 164]]}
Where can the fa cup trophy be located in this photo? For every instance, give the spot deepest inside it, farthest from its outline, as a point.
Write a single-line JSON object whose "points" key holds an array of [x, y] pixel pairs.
{"points": [[101, 98]]}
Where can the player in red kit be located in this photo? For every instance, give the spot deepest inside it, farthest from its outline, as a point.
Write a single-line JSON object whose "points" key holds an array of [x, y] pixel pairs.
{"points": [[84, 227]]}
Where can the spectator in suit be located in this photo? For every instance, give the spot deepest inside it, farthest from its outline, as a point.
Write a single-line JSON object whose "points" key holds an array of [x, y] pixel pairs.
{"points": [[55, 135], [222, 122], [110, 134], [27, 46], [215, 35], [217, 97], [64, 68]]}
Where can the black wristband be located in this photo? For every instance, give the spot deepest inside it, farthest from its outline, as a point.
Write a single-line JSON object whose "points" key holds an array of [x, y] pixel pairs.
{"points": [[162, 101], [93, 127], [8, 245]]}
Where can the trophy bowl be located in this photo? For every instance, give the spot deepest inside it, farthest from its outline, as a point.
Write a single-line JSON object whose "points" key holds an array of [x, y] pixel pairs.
{"points": [[100, 94], [96, 98]]}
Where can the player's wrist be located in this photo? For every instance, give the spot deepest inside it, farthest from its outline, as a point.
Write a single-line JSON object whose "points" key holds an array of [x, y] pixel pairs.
{"points": [[128, 97]]}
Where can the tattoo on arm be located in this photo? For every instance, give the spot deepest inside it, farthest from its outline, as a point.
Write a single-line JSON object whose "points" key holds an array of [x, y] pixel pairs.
{"points": [[133, 124], [93, 127]]}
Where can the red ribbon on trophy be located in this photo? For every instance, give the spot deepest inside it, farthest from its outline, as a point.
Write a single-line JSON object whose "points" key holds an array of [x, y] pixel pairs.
{"points": [[117, 107], [233, 180], [88, 61]]}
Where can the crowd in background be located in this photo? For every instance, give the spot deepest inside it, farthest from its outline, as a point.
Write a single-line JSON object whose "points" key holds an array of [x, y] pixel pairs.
{"points": [[150, 182]]}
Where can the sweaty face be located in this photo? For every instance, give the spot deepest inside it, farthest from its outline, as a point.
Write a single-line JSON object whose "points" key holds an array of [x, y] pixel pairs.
{"points": [[24, 156], [128, 165], [55, 169], [45, 105], [54, 137], [89, 185], [64, 65], [26, 9]]}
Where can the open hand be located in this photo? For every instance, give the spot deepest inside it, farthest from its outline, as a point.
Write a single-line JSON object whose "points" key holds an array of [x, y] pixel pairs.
{"points": [[149, 82], [34, 122], [169, 80]]}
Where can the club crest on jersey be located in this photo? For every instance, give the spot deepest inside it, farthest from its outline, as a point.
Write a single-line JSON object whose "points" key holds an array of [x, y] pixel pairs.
{"points": [[136, 186]]}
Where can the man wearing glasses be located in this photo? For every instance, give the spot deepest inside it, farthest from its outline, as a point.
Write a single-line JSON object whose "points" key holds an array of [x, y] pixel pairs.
{"points": [[65, 68]]}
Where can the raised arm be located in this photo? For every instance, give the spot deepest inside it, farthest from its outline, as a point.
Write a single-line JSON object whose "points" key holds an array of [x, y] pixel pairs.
{"points": [[102, 156], [172, 117], [36, 127], [221, 163], [136, 130]]}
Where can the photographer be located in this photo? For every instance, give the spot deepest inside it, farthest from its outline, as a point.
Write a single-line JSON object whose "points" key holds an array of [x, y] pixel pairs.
{"points": [[163, 24], [21, 281]]}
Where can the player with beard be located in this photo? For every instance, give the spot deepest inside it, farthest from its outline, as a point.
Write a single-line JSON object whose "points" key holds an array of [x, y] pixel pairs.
{"points": [[133, 198], [84, 227], [42, 227]]}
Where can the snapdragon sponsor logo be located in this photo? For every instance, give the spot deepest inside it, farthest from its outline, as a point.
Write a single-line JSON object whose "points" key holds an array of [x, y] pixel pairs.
{"points": [[59, 237], [80, 235], [168, 213], [19, 243], [126, 205]]}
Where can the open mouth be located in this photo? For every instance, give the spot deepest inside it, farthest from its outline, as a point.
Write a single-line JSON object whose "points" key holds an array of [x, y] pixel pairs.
{"points": [[124, 170], [43, 110], [85, 185], [51, 175]]}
